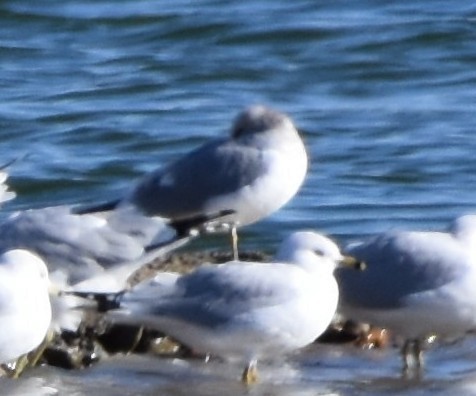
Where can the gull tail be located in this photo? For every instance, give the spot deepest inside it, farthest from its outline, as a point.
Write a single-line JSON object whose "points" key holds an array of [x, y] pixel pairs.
{"points": [[102, 207]]}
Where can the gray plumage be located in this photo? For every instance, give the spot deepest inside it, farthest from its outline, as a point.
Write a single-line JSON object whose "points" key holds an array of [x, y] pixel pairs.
{"points": [[253, 172], [81, 246], [416, 283], [208, 295], [401, 265], [242, 309]]}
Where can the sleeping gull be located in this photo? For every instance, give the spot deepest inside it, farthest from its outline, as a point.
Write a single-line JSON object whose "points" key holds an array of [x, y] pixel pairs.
{"points": [[25, 310], [254, 172], [241, 310], [417, 284]]}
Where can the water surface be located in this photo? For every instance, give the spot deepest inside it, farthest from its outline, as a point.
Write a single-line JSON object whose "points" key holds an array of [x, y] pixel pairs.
{"points": [[95, 93]]}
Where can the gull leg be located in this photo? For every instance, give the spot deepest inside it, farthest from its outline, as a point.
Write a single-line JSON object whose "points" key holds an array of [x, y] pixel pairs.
{"points": [[407, 355], [250, 374], [35, 355], [10, 369], [420, 362], [13, 370], [234, 242], [412, 355], [20, 366], [30, 359], [137, 338], [6, 368]]}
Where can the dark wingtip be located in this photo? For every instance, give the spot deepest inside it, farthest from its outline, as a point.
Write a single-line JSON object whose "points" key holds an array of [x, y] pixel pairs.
{"points": [[103, 207], [104, 301], [188, 228], [185, 227]]}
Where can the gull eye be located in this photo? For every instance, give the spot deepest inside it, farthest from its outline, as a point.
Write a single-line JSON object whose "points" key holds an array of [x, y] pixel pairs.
{"points": [[319, 252]]}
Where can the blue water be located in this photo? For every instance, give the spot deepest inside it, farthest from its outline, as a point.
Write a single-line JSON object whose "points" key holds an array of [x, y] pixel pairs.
{"points": [[95, 93]]}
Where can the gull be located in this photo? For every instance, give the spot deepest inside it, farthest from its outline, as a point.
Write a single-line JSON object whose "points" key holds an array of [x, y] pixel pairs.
{"points": [[99, 250], [417, 284], [253, 172], [25, 310], [242, 311], [82, 246], [92, 251]]}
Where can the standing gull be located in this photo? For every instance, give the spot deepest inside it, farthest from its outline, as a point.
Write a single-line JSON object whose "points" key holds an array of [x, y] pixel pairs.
{"points": [[417, 284], [242, 310], [254, 172]]}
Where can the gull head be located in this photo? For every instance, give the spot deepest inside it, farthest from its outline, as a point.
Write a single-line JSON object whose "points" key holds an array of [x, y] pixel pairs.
{"points": [[257, 119], [463, 228], [309, 249], [31, 268], [25, 263]]}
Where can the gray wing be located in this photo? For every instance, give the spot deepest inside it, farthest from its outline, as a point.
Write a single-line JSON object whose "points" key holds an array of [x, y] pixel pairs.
{"points": [[399, 265], [214, 295], [80, 245], [184, 187]]}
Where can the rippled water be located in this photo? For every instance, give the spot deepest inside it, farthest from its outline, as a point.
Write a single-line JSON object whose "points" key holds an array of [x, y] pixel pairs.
{"points": [[94, 93]]}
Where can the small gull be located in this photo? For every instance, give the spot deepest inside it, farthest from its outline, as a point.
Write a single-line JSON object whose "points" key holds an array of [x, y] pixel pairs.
{"points": [[241, 310], [254, 172], [417, 284], [25, 310]]}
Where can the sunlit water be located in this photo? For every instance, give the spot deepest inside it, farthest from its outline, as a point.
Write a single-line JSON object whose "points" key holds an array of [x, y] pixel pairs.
{"points": [[95, 93]]}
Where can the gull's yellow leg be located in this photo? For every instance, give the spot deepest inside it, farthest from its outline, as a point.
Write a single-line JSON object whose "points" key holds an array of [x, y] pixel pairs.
{"points": [[30, 359], [137, 338], [35, 355], [250, 374], [234, 242], [14, 370], [413, 361]]}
